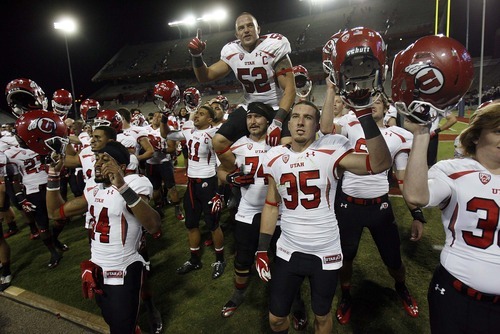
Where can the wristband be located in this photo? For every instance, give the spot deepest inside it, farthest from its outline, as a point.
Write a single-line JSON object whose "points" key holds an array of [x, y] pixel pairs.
{"points": [[280, 114], [20, 197], [53, 183], [264, 241], [164, 119], [370, 128], [417, 214], [129, 195], [198, 61], [438, 130]]}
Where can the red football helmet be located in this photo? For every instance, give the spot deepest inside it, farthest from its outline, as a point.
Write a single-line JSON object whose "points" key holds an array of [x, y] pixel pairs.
{"points": [[138, 119], [42, 131], [24, 95], [192, 99], [109, 117], [432, 73], [329, 52], [62, 102], [89, 109], [359, 64], [167, 96], [303, 82]]}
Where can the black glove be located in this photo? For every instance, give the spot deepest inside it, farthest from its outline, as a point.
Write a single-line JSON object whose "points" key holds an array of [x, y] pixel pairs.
{"points": [[239, 179]]}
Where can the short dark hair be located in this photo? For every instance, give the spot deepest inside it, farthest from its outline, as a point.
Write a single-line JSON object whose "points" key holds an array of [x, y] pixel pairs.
{"points": [[117, 151], [125, 113], [210, 110], [109, 131], [312, 105]]}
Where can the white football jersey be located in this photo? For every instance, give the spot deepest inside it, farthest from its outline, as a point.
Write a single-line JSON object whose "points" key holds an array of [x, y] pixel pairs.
{"points": [[84, 138], [306, 182], [87, 161], [201, 154], [3, 165], [6, 142], [137, 132], [469, 198], [29, 165], [159, 145], [249, 155], [398, 141], [116, 232], [255, 70]]}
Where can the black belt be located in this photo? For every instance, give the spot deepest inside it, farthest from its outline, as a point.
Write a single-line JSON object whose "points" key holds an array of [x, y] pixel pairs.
{"points": [[366, 201], [467, 290]]}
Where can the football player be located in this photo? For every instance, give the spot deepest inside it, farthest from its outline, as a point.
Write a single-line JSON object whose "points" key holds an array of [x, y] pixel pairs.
{"points": [[202, 194], [262, 65], [115, 200], [33, 130], [309, 244], [6, 277]]}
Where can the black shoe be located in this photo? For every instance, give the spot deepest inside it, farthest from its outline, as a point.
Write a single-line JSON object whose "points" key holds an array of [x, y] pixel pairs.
{"points": [[62, 247], [54, 260], [5, 282], [155, 323], [218, 269], [187, 267], [228, 309], [299, 318]]}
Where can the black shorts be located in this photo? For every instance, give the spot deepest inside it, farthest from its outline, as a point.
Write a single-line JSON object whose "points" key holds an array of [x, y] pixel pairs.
{"points": [[198, 193], [451, 311], [378, 217], [236, 125], [40, 215], [287, 277], [161, 173], [119, 304]]}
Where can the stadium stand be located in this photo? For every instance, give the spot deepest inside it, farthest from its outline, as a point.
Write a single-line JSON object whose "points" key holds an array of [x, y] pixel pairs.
{"points": [[131, 74]]}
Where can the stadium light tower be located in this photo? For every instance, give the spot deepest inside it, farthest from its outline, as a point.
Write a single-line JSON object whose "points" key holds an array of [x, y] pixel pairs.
{"points": [[217, 15], [68, 26]]}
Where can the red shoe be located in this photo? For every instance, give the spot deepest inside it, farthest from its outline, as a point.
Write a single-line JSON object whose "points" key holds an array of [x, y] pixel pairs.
{"points": [[409, 303], [180, 216], [344, 309], [10, 232], [208, 242]]}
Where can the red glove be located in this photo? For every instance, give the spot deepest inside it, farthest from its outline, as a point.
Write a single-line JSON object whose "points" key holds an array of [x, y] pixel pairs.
{"points": [[262, 265], [89, 285], [274, 132], [27, 206], [217, 202], [197, 46], [239, 179]]}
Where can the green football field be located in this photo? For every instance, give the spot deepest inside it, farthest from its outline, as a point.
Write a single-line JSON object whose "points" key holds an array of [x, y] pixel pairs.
{"points": [[192, 303]]}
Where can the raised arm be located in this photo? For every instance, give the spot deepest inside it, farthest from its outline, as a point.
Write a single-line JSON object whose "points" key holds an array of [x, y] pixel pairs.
{"points": [[286, 81], [326, 121], [416, 189], [203, 73]]}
